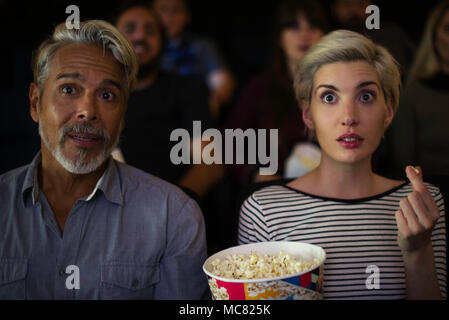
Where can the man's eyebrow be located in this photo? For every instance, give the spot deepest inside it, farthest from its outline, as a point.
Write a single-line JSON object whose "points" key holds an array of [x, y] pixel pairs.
{"points": [[77, 76], [113, 83], [68, 75]]}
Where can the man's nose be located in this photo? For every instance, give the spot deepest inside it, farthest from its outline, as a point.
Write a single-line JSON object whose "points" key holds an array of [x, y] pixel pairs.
{"points": [[87, 108], [138, 34]]}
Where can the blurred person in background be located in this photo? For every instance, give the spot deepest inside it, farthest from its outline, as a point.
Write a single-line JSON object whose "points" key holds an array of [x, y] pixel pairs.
{"points": [[188, 54], [161, 102], [420, 132], [268, 101]]}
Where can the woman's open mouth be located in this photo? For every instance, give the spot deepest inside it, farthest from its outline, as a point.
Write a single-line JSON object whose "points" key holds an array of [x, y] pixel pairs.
{"points": [[350, 140]]}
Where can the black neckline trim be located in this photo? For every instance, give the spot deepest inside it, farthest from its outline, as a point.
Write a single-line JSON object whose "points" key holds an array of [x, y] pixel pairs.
{"points": [[359, 200]]}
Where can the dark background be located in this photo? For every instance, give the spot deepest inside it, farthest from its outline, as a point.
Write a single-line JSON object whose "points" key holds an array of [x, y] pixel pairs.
{"points": [[242, 30]]}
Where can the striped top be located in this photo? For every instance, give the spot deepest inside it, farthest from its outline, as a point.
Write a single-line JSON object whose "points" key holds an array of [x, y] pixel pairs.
{"points": [[356, 234]]}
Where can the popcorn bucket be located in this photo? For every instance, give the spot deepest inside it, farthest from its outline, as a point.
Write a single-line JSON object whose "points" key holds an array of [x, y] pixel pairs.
{"points": [[305, 285]]}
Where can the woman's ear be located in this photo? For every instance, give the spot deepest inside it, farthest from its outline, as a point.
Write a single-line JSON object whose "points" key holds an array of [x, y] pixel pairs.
{"points": [[307, 118], [389, 116]]}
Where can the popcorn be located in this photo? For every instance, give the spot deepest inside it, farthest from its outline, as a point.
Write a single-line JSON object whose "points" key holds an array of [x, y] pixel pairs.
{"points": [[218, 293], [256, 266]]}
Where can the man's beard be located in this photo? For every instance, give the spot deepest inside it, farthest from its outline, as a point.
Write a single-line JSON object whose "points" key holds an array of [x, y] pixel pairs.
{"points": [[80, 165], [150, 66]]}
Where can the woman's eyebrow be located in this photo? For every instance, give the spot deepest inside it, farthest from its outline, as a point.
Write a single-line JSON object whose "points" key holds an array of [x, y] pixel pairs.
{"points": [[367, 83], [328, 86], [359, 86]]}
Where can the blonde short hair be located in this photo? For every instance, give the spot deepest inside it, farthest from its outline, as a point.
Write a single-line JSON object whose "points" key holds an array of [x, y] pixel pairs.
{"points": [[95, 32], [347, 46]]}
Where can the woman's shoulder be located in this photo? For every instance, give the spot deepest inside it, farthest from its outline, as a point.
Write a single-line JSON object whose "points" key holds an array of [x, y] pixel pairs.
{"points": [[273, 192], [274, 195], [406, 187], [277, 194], [433, 189]]}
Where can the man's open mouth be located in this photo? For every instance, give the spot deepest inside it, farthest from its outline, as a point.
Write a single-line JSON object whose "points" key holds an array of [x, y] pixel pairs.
{"points": [[85, 137]]}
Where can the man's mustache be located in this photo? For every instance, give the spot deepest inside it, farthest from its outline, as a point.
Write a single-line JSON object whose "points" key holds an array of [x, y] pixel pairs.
{"points": [[84, 127]]}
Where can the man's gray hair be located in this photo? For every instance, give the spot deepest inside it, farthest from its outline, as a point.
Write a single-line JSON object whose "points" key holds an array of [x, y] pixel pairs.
{"points": [[95, 32]]}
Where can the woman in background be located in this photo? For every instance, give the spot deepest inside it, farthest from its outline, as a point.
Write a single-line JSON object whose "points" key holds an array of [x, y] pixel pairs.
{"points": [[348, 89], [420, 131], [268, 102]]}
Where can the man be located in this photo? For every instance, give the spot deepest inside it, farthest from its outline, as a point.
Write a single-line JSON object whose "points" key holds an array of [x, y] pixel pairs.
{"points": [[161, 103], [187, 54], [75, 224]]}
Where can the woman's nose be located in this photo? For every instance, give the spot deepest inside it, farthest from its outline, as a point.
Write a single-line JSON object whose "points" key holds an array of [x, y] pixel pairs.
{"points": [[350, 114], [349, 121]]}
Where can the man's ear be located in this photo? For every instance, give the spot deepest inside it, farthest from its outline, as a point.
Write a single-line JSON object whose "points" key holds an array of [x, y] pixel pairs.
{"points": [[33, 94], [307, 118], [122, 124]]}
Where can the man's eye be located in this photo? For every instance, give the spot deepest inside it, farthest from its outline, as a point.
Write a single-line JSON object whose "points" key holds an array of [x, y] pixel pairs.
{"points": [[129, 28], [107, 95], [328, 98], [68, 90]]}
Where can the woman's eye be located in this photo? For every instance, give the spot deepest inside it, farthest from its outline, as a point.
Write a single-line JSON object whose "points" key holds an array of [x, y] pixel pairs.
{"points": [[329, 98], [366, 97]]}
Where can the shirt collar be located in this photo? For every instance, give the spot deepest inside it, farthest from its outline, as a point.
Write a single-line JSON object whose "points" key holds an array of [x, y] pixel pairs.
{"points": [[109, 183]]}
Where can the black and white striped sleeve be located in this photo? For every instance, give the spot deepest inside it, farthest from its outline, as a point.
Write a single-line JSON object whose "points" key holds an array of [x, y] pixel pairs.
{"points": [[439, 243], [252, 225]]}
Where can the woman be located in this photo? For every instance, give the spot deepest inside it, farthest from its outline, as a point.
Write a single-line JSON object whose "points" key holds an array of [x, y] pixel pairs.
{"points": [[420, 132], [268, 102], [348, 88]]}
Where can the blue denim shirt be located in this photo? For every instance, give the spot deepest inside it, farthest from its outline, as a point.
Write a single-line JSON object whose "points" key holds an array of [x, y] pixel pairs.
{"points": [[134, 237], [192, 56]]}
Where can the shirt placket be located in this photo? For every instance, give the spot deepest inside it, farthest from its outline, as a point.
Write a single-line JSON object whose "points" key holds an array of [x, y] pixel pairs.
{"points": [[68, 272]]}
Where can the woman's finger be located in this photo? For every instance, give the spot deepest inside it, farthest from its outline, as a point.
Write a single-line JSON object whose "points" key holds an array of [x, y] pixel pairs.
{"points": [[402, 224], [414, 174], [409, 214], [403, 230], [418, 206]]}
